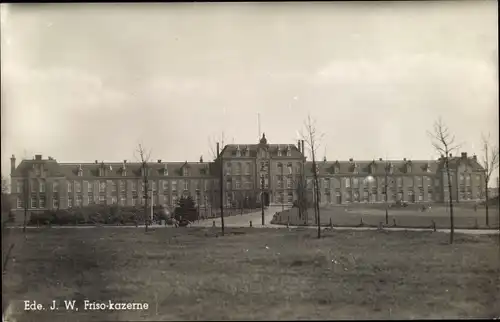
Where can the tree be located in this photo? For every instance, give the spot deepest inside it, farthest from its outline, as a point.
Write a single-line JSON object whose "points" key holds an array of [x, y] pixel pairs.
{"points": [[313, 138], [144, 157], [444, 143], [490, 164], [186, 209]]}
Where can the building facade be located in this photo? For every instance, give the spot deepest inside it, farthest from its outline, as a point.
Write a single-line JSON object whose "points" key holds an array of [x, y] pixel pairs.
{"points": [[272, 173]]}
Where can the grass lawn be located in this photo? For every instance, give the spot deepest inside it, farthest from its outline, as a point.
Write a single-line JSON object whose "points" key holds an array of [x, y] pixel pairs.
{"points": [[190, 274], [464, 218]]}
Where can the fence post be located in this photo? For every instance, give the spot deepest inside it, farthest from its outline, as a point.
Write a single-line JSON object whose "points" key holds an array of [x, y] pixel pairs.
{"points": [[433, 225], [380, 225], [361, 222], [213, 223], [394, 221], [331, 223], [250, 223]]}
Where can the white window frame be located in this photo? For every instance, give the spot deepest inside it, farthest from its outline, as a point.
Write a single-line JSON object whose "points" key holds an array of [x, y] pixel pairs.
{"points": [[55, 203], [78, 186], [70, 186], [20, 202], [79, 201]]}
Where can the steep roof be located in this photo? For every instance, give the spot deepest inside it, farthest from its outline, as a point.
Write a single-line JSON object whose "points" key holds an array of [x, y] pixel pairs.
{"points": [[114, 169], [373, 167], [251, 150]]}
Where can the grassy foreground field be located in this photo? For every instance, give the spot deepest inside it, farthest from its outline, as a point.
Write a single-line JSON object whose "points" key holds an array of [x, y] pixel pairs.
{"points": [[464, 218], [191, 274]]}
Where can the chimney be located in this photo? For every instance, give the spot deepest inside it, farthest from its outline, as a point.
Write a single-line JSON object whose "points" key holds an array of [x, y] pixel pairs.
{"points": [[159, 160], [303, 150], [201, 159], [12, 164], [404, 159], [96, 162], [380, 159], [298, 145], [38, 157], [351, 159], [450, 155], [218, 149], [124, 161], [464, 155], [474, 157]]}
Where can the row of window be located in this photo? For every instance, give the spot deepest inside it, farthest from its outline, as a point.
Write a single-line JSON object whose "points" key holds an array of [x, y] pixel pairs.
{"points": [[40, 185], [409, 181], [122, 200]]}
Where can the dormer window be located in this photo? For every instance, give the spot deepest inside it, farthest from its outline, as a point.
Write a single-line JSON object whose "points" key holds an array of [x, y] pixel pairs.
{"points": [[373, 167], [336, 167], [238, 151], [354, 168], [165, 170], [290, 170], [288, 152], [185, 172], [427, 167], [408, 167], [389, 168], [279, 152], [80, 170], [101, 172]]}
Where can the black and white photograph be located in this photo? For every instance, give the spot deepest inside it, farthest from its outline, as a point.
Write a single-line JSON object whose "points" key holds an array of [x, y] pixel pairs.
{"points": [[180, 161]]}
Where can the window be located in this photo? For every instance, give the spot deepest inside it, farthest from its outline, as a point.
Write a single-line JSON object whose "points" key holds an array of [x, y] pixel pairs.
{"points": [[114, 186], [123, 200], [153, 185], [467, 180], [462, 178], [399, 181], [327, 183], [80, 172], [290, 197], [70, 202], [420, 197], [174, 185], [122, 185], [102, 200], [134, 201], [41, 185], [38, 170], [436, 182], [20, 186], [429, 196], [288, 152], [133, 185], [280, 183], [348, 196], [20, 203], [247, 168], [55, 203], [411, 196], [409, 181], [309, 183], [419, 181], [228, 168], [290, 170], [186, 185], [237, 170], [365, 196], [356, 196], [478, 178], [70, 186], [288, 183], [91, 199], [338, 197], [164, 183], [78, 186], [175, 200], [373, 197], [355, 182], [79, 201], [347, 182], [114, 200], [185, 172], [279, 152], [280, 197], [102, 186], [228, 185], [90, 187], [237, 184]]}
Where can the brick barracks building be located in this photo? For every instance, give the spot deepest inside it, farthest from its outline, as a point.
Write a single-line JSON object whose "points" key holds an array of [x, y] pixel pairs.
{"points": [[270, 171]]}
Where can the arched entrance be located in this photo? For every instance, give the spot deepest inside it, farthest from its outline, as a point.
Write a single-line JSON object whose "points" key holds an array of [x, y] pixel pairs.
{"points": [[265, 198]]}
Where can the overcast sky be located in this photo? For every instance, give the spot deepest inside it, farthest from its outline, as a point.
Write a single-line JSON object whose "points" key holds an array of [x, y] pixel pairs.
{"points": [[89, 81]]}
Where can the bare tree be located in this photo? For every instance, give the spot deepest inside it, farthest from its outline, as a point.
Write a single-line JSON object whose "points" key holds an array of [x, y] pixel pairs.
{"points": [[444, 143], [313, 138], [144, 157], [490, 164]]}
